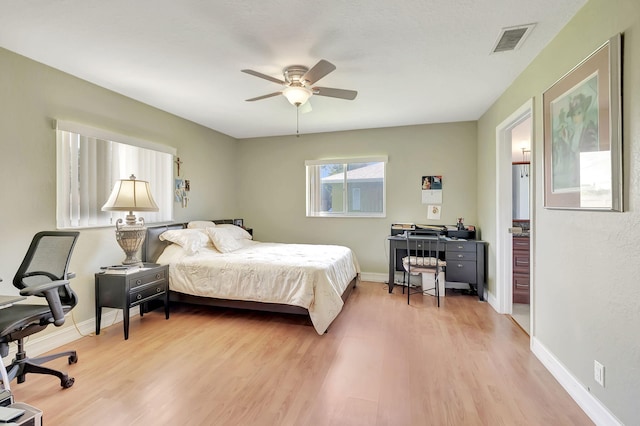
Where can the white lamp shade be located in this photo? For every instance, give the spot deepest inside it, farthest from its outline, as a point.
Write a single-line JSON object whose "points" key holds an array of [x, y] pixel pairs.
{"points": [[297, 95], [131, 195]]}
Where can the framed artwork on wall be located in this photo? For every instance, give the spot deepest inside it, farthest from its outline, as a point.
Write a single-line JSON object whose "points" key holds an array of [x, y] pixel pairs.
{"points": [[583, 134]]}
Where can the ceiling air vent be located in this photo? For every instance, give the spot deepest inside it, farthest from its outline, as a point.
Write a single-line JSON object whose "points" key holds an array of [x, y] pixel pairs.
{"points": [[512, 38]]}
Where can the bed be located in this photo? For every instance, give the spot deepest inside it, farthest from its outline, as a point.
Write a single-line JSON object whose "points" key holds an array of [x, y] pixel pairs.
{"points": [[208, 267]]}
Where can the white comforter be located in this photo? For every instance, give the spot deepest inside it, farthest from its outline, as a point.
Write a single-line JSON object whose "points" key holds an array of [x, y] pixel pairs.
{"points": [[310, 276]]}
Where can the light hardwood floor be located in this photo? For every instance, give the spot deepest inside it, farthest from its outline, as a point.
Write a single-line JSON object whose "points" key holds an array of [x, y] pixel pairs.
{"points": [[381, 363]]}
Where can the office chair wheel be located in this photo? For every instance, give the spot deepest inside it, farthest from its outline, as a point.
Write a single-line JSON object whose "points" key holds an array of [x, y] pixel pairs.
{"points": [[73, 359], [67, 382]]}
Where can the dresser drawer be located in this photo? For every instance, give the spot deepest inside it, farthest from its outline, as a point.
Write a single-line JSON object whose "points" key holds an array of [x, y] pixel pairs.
{"points": [[521, 243], [521, 292], [423, 244], [138, 280], [460, 255], [458, 246], [462, 271], [142, 293], [521, 282], [521, 262]]}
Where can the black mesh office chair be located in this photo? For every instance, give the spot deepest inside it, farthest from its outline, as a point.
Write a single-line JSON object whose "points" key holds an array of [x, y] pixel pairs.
{"points": [[423, 257], [43, 273]]}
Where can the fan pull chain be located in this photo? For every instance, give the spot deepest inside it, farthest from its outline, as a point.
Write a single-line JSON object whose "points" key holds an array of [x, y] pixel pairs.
{"points": [[298, 121]]}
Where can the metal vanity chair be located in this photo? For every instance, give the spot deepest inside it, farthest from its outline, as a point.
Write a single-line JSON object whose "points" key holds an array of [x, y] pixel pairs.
{"points": [[423, 258]]}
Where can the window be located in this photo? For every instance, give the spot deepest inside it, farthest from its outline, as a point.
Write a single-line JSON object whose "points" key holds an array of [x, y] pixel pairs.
{"points": [[90, 161], [353, 187]]}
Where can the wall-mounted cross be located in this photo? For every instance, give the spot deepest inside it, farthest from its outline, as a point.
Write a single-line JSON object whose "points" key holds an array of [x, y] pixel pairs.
{"points": [[178, 162]]}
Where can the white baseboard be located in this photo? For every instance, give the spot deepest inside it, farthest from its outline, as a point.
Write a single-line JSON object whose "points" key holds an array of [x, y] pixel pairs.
{"points": [[377, 277], [35, 346], [374, 277], [491, 300], [596, 411]]}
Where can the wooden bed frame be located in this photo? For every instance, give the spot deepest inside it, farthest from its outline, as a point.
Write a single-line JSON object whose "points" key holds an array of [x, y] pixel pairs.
{"points": [[153, 248]]}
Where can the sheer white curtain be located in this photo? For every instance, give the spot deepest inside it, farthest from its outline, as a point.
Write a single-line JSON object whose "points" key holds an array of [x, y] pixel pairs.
{"points": [[314, 189], [88, 168], [151, 166], [83, 180]]}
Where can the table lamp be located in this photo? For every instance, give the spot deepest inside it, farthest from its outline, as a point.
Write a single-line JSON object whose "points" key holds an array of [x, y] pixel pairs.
{"points": [[131, 195]]}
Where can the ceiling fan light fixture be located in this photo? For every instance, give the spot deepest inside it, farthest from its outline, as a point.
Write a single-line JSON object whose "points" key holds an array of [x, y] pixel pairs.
{"points": [[297, 95]]}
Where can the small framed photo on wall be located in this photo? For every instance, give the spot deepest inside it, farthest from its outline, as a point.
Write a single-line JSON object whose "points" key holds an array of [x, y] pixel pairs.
{"points": [[239, 222]]}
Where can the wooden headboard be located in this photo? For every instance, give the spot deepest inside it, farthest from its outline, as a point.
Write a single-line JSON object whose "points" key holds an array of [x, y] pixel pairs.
{"points": [[152, 247]]}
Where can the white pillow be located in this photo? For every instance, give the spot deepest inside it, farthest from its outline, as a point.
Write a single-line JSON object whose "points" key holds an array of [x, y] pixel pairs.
{"points": [[191, 240], [236, 231], [224, 240], [200, 224]]}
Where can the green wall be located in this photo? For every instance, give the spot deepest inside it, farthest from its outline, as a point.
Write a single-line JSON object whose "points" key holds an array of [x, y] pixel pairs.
{"points": [[585, 264], [271, 184], [31, 97]]}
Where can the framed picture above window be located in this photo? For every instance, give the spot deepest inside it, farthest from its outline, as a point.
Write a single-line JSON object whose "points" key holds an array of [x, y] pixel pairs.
{"points": [[583, 134]]}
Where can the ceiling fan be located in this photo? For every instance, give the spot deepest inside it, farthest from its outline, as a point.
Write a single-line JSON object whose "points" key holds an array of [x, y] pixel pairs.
{"points": [[298, 83]]}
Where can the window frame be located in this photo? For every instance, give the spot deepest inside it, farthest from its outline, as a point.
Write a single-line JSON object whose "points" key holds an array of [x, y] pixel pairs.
{"points": [[312, 188], [63, 161]]}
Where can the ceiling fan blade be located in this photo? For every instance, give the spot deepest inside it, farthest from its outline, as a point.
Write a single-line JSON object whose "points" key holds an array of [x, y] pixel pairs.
{"points": [[318, 71], [335, 93], [270, 95], [266, 77]]}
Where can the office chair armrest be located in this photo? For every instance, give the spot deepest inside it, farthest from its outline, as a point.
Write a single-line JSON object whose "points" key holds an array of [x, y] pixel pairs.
{"points": [[40, 273], [52, 277], [41, 288], [50, 291]]}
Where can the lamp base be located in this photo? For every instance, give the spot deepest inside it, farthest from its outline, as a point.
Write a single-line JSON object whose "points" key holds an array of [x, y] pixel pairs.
{"points": [[130, 239]]}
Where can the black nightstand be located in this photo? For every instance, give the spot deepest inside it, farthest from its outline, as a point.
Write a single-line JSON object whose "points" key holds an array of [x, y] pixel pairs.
{"points": [[124, 291]]}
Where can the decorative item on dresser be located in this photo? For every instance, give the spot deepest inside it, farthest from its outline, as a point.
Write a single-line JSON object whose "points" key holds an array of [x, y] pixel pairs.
{"points": [[131, 195], [258, 276]]}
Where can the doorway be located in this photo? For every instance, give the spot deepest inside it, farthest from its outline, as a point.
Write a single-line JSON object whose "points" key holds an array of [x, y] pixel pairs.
{"points": [[514, 172]]}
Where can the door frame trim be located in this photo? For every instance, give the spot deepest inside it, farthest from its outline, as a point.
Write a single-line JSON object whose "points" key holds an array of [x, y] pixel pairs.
{"points": [[504, 243]]}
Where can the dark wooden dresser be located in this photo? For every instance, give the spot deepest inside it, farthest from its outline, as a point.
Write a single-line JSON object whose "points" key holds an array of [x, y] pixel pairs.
{"points": [[521, 269]]}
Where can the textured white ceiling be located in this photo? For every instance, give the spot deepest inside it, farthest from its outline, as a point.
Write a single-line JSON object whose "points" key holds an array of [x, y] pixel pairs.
{"points": [[411, 61]]}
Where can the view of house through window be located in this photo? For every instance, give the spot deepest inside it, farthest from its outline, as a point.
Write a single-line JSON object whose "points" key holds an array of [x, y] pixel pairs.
{"points": [[354, 187]]}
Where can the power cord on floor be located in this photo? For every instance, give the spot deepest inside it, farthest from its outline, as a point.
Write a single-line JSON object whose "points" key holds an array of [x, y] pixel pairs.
{"points": [[75, 324]]}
